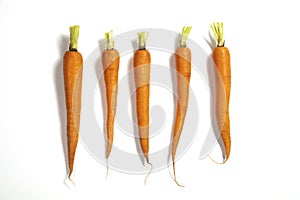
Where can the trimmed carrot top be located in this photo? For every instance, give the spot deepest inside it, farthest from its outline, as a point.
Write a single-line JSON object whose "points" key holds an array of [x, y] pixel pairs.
{"points": [[142, 37], [218, 30], [74, 33], [185, 34], [109, 41]]}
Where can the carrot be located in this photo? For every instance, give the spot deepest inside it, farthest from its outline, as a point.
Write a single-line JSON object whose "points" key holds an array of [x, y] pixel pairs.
{"points": [[183, 68], [110, 62], [72, 69], [142, 60], [221, 57]]}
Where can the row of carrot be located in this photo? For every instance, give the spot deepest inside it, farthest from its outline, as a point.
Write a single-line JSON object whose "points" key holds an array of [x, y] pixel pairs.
{"points": [[73, 67]]}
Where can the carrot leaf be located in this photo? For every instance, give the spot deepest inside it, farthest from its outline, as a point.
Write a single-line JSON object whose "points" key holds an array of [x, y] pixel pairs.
{"points": [[109, 41], [184, 36], [218, 30], [74, 33], [142, 37]]}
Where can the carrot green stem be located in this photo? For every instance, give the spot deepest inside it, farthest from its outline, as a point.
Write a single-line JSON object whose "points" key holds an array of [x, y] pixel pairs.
{"points": [[218, 30], [185, 34], [142, 37], [109, 41], [74, 33]]}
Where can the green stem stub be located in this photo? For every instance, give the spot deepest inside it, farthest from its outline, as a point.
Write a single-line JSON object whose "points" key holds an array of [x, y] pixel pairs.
{"points": [[218, 30], [142, 37], [74, 33], [185, 34], [109, 41]]}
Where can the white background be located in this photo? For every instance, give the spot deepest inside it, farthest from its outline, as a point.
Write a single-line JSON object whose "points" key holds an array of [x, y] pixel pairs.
{"points": [[263, 39]]}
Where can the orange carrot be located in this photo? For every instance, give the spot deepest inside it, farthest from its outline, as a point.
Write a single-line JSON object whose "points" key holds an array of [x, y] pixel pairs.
{"points": [[183, 68], [72, 67], [142, 60], [110, 62], [221, 57]]}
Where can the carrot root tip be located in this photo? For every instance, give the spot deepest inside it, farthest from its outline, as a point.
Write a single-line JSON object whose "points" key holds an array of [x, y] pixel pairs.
{"points": [[69, 177], [175, 179], [107, 169], [145, 181], [178, 183], [219, 163]]}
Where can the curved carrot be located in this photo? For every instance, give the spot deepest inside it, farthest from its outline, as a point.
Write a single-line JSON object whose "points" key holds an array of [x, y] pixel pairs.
{"points": [[72, 69], [141, 62], [221, 57], [183, 68], [110, 62]]}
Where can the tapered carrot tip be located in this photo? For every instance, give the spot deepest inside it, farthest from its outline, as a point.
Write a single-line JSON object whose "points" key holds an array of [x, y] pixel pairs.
{"points": [[69, 178], [219, 163], [106, 168], [146, 157], [145, 181], [175, 179]]}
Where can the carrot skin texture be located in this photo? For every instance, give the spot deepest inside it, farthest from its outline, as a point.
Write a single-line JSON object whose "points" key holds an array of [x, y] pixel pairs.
{"points": [[183, 68], [142, 60], [221, 57], [72, 70], [110, 62]]}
